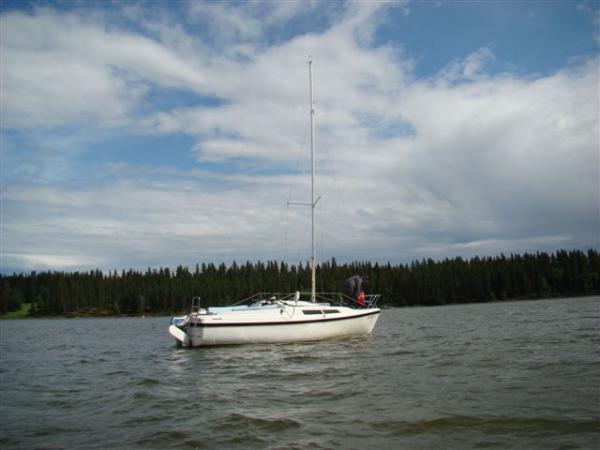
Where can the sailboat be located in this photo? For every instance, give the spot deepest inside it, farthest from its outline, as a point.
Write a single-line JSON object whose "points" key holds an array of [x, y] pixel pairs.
{"points": [[284, 317]]}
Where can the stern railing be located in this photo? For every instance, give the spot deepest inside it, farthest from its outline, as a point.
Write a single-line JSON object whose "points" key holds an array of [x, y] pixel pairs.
{"points": [[335, 298]]}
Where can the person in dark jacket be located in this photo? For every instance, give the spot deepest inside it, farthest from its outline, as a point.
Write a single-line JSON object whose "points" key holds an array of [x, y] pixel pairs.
{"points": [[353, 285]]}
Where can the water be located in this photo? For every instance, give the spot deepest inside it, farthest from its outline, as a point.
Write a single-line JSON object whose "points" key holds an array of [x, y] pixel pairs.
{"points": [[503, 375]]}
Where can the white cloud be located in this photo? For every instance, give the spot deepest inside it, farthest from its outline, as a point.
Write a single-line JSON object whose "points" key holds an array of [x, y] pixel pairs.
{"points": [[592, 10], [141, 222], [467, 162], [469, 68], [60, 69]]}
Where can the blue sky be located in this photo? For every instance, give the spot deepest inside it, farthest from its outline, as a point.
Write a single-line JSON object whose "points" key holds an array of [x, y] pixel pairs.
{"points": [[535, 37], [140, 134]]}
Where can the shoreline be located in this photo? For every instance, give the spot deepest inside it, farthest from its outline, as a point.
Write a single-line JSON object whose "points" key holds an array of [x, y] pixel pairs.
{"points": [[23, 313]]}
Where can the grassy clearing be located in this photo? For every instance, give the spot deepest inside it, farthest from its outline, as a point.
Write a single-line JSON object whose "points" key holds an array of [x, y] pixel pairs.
{"points": [[19, 314]]}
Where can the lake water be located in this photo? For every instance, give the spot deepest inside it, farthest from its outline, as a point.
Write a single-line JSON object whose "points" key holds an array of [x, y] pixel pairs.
{"points": [[501, 375]]}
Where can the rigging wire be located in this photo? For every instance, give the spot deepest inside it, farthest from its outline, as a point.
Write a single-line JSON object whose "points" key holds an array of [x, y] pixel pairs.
{"points": [[285, 230], [301, 242], [347, 220], [296, 169]]}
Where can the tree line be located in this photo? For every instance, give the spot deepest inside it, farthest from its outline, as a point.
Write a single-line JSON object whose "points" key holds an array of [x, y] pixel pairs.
{"points": [[424, 282]]}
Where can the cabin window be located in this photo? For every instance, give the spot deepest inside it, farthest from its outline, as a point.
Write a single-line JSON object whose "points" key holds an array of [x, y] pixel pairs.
{"points": [[318, 311]]}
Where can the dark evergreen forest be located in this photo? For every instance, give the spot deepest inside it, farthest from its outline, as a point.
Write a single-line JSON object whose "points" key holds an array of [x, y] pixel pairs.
{"points": [[426, 282]]}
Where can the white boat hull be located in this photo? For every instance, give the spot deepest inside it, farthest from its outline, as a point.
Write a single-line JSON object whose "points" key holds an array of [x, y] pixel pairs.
{"points": [[285, 324]]}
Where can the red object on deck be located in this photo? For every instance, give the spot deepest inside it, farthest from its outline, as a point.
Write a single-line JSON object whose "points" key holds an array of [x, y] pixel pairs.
{"points": [[361, 298]]}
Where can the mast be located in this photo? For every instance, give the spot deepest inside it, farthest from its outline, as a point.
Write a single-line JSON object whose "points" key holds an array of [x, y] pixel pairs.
{"points": [[313, 199], [312, 184]]}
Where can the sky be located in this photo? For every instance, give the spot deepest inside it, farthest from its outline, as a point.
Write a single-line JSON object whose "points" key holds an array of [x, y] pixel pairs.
{"points": [[153, 134]]}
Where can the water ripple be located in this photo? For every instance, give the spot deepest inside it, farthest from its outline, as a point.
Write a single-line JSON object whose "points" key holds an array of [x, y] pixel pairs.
{"points": [[520, 375], [493, 425]]}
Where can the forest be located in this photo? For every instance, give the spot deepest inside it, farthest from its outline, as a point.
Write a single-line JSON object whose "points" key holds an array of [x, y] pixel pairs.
{"points": [[425, 282]]}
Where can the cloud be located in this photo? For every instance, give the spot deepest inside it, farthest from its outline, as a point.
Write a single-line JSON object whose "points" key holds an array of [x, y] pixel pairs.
{"points": [[464, 162], [265, 101], [61, 69], [151, 222], [469, 68], [592, 10]]}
